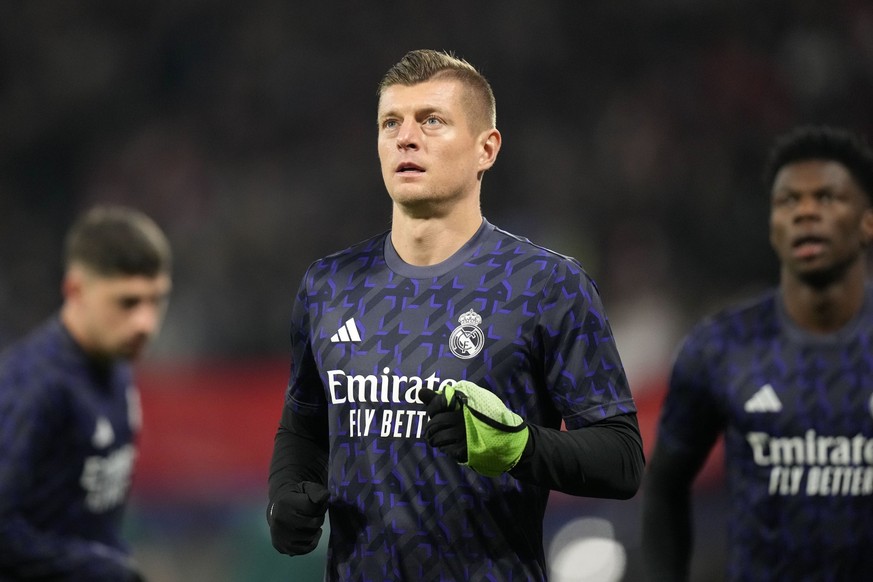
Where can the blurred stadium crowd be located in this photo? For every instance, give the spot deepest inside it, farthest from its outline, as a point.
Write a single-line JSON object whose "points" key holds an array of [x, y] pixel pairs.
{"points": [[634, 136], [634, 139]]}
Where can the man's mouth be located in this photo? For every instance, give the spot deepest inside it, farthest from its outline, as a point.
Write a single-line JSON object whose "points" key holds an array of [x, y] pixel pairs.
{"points": [[409, 168], [808, 246]]}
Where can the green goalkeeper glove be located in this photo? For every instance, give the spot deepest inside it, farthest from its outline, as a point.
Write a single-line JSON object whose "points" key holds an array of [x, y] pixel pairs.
{"points": [[472, 425]]}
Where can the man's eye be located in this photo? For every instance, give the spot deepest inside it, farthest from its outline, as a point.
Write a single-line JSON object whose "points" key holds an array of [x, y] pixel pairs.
{"points": [[432, 121], [129, 303]]}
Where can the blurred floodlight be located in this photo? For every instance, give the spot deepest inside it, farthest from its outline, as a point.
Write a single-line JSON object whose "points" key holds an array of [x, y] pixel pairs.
{"points": [[585, 550]]}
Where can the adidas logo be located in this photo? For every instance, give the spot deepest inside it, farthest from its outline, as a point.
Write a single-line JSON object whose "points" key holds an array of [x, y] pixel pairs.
{"points": [[764, 400], [348, 332]]}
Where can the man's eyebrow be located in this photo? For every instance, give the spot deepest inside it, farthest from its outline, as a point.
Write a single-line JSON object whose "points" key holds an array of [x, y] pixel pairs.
{"points": [[788, 189], [422, 111]]}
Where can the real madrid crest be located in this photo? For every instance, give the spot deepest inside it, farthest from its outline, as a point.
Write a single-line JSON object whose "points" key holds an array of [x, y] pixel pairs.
{"points": [[467, 339]]}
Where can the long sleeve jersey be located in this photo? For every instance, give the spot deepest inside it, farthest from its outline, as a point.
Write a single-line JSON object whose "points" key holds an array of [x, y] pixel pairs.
{"points": [[369, 331]]}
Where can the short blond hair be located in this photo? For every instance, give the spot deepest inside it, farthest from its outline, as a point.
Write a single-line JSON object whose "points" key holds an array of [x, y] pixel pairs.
{"points": [[422, 65]]}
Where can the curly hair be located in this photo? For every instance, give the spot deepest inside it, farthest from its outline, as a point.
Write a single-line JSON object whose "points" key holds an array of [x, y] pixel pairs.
{"points": [[823, 142]]}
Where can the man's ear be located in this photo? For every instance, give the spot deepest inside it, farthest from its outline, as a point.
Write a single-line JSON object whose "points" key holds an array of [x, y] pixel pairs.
{"points": [[71, 286], [867, 226], [491, 141]]}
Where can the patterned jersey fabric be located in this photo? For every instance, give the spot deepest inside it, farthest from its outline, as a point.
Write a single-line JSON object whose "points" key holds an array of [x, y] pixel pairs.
{"points": [[369, 331], [67, 430], [797, 416]]}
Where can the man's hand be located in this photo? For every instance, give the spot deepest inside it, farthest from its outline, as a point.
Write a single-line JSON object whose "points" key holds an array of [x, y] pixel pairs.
{"points": [[296, 516], [446, 430], [474, 427]]}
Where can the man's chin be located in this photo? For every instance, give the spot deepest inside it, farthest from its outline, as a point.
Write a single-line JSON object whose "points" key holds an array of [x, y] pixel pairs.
{"points": [[823, 277], [422, 206], [131, 351]]}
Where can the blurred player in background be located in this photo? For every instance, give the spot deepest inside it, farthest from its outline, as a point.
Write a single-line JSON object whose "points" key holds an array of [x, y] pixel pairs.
{"points": [[788, 380], [502, 338], [69, 410]]}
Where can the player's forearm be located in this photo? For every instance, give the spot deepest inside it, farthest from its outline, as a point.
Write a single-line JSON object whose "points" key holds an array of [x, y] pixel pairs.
{"points": [[602, 460], [299, 451], [667, 524], [666, 539]]}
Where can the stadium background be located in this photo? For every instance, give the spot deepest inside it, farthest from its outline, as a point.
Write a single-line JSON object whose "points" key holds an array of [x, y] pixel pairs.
{"points": [[634, 135]]}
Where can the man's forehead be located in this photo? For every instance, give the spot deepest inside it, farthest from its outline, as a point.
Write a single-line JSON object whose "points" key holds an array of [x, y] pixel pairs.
{"points": [[812, 171], [134, 284], [433, 93]]}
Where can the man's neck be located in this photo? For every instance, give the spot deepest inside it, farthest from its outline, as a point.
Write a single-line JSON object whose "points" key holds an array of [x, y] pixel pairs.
{"points": [[76, 329], [824, 309], [428, 241]]}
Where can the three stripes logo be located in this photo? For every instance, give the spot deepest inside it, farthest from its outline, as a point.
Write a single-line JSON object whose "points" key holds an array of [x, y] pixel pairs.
{"points": [[764, 400], [348, 332]]}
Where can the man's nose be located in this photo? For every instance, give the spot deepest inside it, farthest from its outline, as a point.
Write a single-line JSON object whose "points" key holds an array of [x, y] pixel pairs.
{"points": [[807, 206], [147, 318], [408, 135]]}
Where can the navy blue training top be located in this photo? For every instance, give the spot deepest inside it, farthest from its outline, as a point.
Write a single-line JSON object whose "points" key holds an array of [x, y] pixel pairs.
{"points": [[369, 331], [67, 430]]}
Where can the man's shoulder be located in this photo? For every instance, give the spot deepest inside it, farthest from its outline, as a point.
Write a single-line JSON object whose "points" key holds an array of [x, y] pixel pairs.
{"points": [[740, 317], [523, 247], [38, 339], [363, 254], [373, 246], [34, 356]]}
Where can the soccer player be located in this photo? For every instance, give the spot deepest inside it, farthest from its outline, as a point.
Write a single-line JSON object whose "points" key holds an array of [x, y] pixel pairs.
{"points": [[787, 379], [501, 337], [69, 409]]}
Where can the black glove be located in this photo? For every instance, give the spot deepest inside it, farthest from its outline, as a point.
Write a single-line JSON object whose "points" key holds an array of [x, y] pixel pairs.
{"points": [[296, 516], [446, 430]]}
